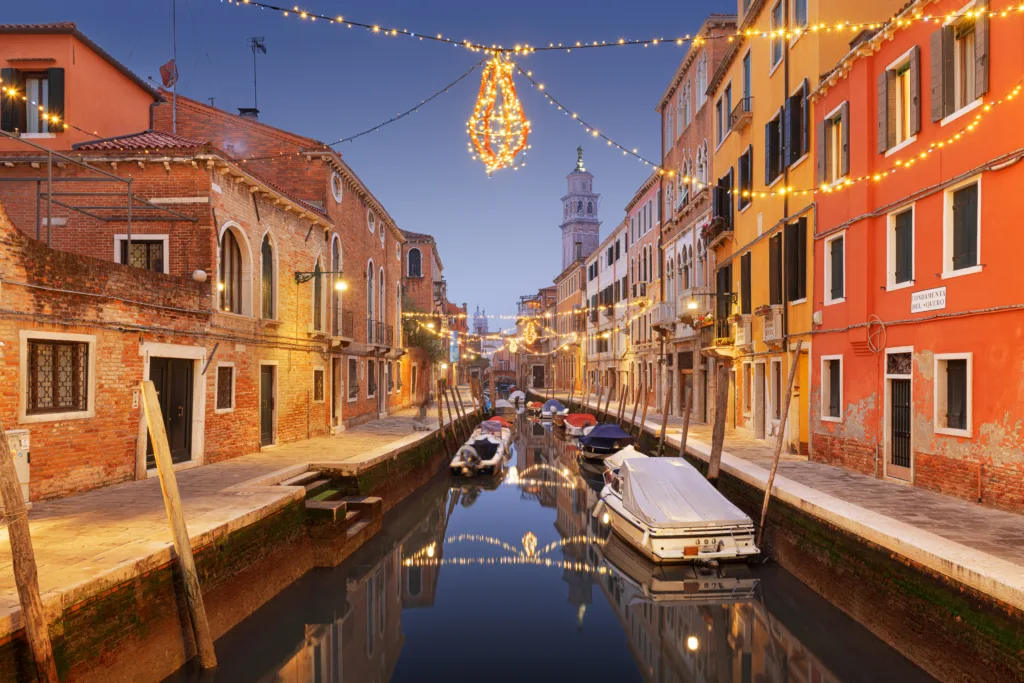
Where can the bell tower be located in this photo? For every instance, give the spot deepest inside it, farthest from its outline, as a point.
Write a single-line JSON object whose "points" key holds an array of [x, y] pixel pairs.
{"points": [[580, 225]]}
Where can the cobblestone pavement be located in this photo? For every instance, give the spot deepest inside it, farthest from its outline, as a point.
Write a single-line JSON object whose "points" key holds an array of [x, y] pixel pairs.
{"points": [[995, 532], [120, 530]]}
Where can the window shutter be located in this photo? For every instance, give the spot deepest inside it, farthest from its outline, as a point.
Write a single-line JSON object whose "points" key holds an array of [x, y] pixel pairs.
{"points": [[767, 153], [965, 227], [948, 91], [883, 112], [938, 98], [801, 255], [824, 129], [790, 262], [915, 90], [890, 126], [55, 78], [844, 114], [787, 132], [805, 122], [745, 265], [981, 48], [12, 111], [904, 247], [837, 268], [775, 269]]}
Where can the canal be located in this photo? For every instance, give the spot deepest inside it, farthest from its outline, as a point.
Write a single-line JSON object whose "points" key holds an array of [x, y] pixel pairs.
{"points": [[471, 580]]}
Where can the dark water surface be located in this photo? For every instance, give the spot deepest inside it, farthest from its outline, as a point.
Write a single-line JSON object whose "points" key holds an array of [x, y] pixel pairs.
{"points": [[448, 592]]}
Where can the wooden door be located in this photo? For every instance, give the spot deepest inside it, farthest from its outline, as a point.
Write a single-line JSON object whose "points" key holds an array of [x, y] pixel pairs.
{"points": [[172, 378], [267, 405]]}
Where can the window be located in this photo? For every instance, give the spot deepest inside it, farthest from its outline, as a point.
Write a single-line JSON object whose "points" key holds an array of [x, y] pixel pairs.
{"points": [[961, 48], [746, 298], [953, 400], [901, 249], [57, 376], [147, 254], [775, 49], [391, 379], [831, 388], [371, 379], [723, 112], [796, 260], [799, 14], [337, 312], [702, 78], [797, 125], [318, 298], [684, 105], [746, 178], [415, 263], [371, 221], [748, 387], [40, 94], [337, 187], [353, 379], [590, 208], [899, 95], [962, 228], [230, 283], [318, 385], [775, 269], [225, 388], [747, 84], [267, 298], [669, 128], [835, 261], [775, 149], [776, 395], [701, 173], [834, 146]]}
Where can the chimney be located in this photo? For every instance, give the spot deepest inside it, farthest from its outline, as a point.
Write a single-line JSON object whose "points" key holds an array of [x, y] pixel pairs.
{"points": [[249, 113]]}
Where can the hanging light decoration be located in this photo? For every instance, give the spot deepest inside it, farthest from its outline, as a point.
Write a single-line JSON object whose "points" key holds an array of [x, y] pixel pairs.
{"points": [[530, 334], [513, 346], [498, 129]]}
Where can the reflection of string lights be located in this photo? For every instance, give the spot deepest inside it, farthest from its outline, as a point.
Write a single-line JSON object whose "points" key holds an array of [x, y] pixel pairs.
{"points": [[519, 560]]}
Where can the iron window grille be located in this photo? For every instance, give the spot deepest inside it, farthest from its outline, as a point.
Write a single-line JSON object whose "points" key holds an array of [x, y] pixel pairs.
{"points": [[58, 377]]}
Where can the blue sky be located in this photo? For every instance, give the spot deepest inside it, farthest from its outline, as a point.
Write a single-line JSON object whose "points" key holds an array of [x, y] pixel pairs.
{"points": [[498, 236]]}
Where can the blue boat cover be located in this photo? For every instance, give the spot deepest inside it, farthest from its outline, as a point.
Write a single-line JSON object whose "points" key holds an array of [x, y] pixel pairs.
{"points": [[553, 406], [606, 435]]}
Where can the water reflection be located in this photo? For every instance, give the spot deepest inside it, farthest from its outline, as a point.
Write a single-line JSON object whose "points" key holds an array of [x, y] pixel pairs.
{"points": [[478, 580]]}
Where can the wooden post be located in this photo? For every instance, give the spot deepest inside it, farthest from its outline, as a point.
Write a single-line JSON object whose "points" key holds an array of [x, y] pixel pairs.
{"points": [[457, 400], [26, 578], [622, 405], [440, 417], [794, 361], [636, 404], [572, 392], [664, 415], [686, 422], [608, 402], [718, 431], [451, 420], [176, 517], [643, 418]]}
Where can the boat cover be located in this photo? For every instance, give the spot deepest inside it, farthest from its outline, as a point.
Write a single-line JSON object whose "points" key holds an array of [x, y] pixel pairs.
{"points": [[491, 427], [670, 492], [534, 405], [502, 421], [615, 461], [606, 435], [485, 448], [580, 420], [502, 403], [553, 406], [517, 396]]}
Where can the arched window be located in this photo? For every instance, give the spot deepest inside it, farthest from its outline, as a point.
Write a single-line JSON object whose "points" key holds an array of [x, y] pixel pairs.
{"points": [[579, 206], [268, 298], [370, 301], [590, 208], [234, 271], [669, 128], [702, 165], [415, 263], [670, 277], [702, 78], [684, 105], [398, 316], [318, 297], [381, 296], [701, 264], [687, 257], [337, 267]]}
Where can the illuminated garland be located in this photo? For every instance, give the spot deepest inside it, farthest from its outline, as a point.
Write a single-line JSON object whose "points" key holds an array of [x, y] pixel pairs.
{"points": [[498, 129]]}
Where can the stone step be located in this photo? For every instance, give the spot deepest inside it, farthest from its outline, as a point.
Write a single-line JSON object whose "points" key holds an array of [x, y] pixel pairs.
{"points": [[371, 505], [302, 479], [354, 530], [328, 511], [316, 487]]}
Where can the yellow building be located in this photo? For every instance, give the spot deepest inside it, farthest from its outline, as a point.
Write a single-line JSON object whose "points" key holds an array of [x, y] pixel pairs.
{"points": [[762, 230]]}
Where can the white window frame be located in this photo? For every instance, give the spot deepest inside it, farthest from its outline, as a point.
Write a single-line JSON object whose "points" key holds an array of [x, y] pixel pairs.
{"points": [[337, 187], [947, 230], [826, 388], [216, 387], [24, 337], [890, 250], [312, 391], [833, 116], [366, 374], [348, 379], [970, 104], [723, 119], [894, 66], [939, 393], [772, 66], [828, 268], [123, 237], [371, 221]]}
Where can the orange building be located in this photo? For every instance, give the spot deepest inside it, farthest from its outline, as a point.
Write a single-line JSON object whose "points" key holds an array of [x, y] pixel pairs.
{"points": [[919, 328]]}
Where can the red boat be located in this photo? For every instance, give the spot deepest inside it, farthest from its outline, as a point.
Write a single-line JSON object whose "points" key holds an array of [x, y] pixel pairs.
{"points": [[578, 423]]}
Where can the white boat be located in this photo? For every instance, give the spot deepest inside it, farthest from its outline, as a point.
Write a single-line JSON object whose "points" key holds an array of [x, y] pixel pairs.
{"points": [[504, 409], [483, 454], [667, 510]]}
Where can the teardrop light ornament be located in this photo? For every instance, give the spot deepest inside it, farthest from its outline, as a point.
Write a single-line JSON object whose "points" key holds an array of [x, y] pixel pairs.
{"points": [[498, 128]]}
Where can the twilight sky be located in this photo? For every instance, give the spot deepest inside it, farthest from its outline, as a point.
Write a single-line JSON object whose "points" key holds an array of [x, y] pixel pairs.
{"points": [[498, 236]]}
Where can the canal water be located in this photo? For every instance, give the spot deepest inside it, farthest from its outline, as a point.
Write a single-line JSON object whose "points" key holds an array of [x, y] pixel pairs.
{"points": [[474, 580]]}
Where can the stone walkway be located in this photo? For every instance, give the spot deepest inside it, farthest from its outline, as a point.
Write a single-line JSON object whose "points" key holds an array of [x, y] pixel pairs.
{"points": [[88, 542], [981, 546]]}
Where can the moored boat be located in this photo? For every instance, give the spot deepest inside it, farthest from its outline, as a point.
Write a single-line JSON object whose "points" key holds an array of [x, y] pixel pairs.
{"points": [[668, 511], [554, 410], [534, 407], [578, 424], [504, 409], [483, 454], [604, 440]]}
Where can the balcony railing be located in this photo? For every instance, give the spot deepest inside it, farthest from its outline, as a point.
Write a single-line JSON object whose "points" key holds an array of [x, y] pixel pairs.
{"points": [[773, 324], [344, 324], [379, 333], [723, 332], [720, 226], [663, 315], [440, 290], [741, 335], [695, 296], [742, 113]]}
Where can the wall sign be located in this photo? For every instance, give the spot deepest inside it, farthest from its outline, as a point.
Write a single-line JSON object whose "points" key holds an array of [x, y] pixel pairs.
{"points": [[928, 300]]}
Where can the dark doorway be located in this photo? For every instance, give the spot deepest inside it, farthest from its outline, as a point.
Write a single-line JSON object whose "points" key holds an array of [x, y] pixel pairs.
{"points": [[538, 376], [173, 380], [267, 405], [899, 429]]}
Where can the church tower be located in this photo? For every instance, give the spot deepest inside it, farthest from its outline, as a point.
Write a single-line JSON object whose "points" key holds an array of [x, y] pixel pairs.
{"points": [[580, 226], [480, 322]]}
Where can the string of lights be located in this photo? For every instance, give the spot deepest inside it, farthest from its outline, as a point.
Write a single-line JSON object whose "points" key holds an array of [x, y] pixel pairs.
{"points": [[464, 316]]}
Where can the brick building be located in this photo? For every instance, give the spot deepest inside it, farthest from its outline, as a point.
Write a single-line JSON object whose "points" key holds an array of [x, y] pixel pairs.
{"points": [[424, 292], [640, 358], [246, 270], [570, 323]]}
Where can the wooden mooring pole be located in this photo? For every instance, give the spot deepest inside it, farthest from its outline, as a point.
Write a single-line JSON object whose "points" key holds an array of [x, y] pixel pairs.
{"points": [[686, 422], [718, 431], [622, 405], [176, 517], [664, 414], [794, 361], [607, 403], [26, 577], [636, 404], [440, 417], [451, 419], [643, 418]]}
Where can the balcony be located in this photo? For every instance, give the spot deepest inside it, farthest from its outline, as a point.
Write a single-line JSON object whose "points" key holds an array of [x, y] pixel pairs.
{"points": [[379, 334], [639, 289], [344, 325], [663, 315], [440, 291], [773, 328], [693, 304], [720, 227], [742, 113], [741, 331], [593, 316]]}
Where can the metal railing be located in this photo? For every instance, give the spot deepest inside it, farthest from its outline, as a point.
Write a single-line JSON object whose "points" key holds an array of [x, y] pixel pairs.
{"points": [[742, 113], [379, 333]]}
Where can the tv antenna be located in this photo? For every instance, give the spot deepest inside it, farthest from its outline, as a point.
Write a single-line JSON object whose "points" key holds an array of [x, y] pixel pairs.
{"points": [[258, 45]]}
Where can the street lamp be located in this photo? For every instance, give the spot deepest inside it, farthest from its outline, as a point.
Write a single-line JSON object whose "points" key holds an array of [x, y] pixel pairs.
{"points": [[731, 297], [302, 276]]}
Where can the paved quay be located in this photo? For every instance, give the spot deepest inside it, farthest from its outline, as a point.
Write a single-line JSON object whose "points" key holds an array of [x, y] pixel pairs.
{"points": [[979, 546], [88, 542]]}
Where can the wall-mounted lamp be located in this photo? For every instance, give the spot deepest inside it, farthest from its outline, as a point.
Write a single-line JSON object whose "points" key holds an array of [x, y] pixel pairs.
{"points": [[301, 277]]}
